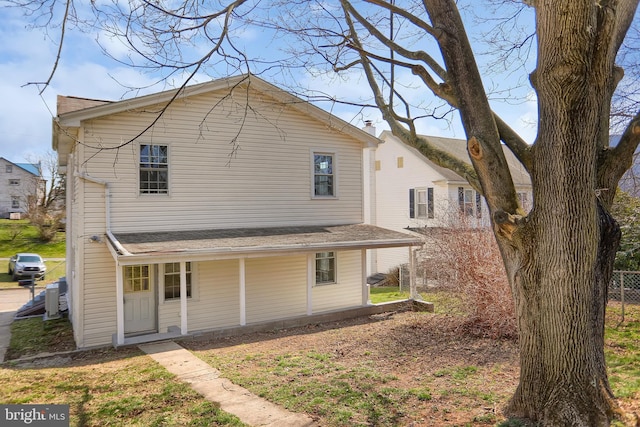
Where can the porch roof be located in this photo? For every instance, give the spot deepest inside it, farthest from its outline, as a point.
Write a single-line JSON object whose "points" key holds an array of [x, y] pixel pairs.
{"points": [[239, 242]]}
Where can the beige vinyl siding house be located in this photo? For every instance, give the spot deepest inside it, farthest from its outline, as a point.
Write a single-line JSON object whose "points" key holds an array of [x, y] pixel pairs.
{"points": [[211, 215], [413, 193]]}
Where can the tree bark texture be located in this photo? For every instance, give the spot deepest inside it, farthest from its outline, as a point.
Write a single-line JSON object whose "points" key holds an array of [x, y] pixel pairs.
{"points": [[559, 258]]}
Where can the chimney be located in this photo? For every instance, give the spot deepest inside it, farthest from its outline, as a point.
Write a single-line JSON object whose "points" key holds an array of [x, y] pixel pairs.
{"points": [[369, 127]]}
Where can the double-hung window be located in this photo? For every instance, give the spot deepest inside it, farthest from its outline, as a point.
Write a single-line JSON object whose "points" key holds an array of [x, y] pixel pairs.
{"points": [[421, 203], [154, 169], [469, 202], [324, 178], [325, 268], [172, 280]]}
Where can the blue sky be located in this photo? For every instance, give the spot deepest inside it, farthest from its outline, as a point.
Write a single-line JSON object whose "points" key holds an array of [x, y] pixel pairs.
{"points": [[29, 54]]}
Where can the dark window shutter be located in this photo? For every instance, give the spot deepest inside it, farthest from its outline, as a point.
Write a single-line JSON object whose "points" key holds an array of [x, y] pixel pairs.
{"points": [[478, 205], [430, 207], [461, 198], [412, 196]]}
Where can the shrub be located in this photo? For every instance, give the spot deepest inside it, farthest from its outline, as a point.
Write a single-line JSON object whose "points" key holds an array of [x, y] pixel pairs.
{"points": [[468, 262]]}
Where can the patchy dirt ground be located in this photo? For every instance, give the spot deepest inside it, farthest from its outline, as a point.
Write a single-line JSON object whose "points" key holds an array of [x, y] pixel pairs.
{"points": [[466, 380]]}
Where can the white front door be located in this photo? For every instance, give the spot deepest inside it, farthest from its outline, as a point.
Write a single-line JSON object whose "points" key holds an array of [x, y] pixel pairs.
{"points": [[139, 299]]}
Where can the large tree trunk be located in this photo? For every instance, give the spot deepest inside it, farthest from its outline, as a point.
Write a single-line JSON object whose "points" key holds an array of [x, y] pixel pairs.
{"points": [[561, 306]]}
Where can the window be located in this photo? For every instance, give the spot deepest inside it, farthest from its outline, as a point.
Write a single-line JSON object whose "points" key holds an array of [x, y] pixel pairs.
{"points": [[14, 182], [400, 162], [15, 203], [136, 278], [172, 280], [523, 197], [8, 168], [421, 203], [154, 169], [325, 268], [470, 202], [323, 174]]}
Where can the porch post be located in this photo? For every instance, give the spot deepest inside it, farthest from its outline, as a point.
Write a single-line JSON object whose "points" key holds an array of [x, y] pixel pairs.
{"points": [[366, 300], [310, 261], [243, 296], [412, 274], [183, 298], [119, 305]]}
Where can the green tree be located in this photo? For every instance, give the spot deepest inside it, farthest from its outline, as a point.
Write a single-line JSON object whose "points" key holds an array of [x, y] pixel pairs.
{"points": [[626, 209]]}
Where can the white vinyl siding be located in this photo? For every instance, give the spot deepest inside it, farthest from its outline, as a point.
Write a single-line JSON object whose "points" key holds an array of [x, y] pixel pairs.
{"points": [[276, 288], [347, 291], [211, 186], [218, 299]]}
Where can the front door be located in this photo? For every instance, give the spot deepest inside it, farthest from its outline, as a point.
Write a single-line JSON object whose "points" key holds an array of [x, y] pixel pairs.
{"points": [[139, 300]]}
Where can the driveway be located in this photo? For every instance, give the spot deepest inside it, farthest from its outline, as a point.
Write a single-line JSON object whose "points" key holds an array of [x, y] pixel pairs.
{"points": [[10, 301]]}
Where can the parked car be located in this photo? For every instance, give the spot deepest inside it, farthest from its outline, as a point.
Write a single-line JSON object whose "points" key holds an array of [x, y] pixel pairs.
{"points": [[24, 265]]}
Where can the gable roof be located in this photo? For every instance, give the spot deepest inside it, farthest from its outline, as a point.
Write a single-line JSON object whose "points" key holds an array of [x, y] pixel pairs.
{"points": [[458, 149], [32, 168], [87, 109]]}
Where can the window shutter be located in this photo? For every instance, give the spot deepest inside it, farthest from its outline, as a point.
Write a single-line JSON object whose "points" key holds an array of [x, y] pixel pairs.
{"points": [[412, 195], [461, 198], [478, 205], [430, 206]]}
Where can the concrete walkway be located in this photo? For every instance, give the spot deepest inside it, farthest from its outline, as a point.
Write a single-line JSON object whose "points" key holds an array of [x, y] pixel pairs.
{"points": [[206, 380], [10, 301]]}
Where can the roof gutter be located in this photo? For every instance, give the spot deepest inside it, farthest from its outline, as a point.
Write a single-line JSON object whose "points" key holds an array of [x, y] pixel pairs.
{"points": [[107, 203]]}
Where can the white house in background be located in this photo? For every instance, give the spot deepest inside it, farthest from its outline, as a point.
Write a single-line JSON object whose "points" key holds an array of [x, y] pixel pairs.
{"points": [[20, 184], [412, 192], [233, 205]]}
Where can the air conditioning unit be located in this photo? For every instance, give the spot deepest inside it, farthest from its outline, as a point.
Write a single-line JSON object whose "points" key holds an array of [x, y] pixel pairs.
{"points": [[51, 301]]}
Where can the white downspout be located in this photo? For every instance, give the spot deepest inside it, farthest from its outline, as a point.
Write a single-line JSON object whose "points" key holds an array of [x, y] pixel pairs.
{"points": [[118, 246]]}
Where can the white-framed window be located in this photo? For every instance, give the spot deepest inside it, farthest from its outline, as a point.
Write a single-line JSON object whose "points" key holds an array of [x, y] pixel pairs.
{"points": [[324, 174], [525, 202], [469, 202], [8, 168], [172, 280], [325, 268], [154, 169], [137, 278], [421, 203], [15, 202], [14, 182]]}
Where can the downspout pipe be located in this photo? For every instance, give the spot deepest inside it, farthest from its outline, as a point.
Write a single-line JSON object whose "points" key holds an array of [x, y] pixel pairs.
{"points": [[107, 202]]}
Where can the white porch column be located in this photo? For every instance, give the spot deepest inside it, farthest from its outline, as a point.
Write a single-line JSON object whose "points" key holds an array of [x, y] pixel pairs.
{"points": [[243, 296], [310, 281], [119, 305], [365, 286], [183, 298], [413, 294]]}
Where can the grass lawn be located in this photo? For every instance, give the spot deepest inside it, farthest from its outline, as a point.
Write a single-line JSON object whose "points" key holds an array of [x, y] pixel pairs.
{"points": [[408, 368]]}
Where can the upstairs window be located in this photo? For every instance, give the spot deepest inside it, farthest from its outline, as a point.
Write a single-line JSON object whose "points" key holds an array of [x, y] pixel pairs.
{"points": [[154, 169], [324, 175], [8, 168], [421, 203], [172, 280], [469, 202], [325, 268]]}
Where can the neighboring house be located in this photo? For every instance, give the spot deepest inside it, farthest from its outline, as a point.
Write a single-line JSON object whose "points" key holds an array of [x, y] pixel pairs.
{"points": [[240, 204], [21, 185], [411, 192]]}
